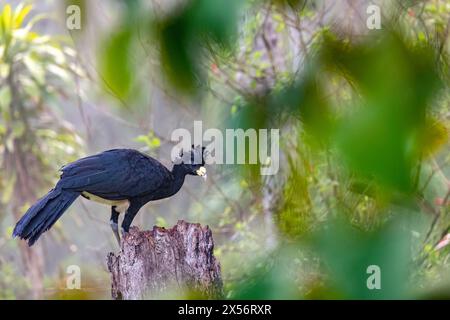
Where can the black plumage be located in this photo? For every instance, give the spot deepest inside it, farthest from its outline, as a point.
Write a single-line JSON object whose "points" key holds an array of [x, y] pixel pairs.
{"points": [[126, 179]]}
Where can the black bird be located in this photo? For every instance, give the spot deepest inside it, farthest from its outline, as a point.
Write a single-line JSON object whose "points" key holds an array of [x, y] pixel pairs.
{"points": [[125, 179]]}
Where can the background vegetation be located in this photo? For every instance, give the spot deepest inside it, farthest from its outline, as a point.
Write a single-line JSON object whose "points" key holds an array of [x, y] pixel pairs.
{"points": [[363, 114]]}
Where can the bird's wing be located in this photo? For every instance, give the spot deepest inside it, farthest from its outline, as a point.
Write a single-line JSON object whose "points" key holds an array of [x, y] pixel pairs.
{"points": [[115, 174]]}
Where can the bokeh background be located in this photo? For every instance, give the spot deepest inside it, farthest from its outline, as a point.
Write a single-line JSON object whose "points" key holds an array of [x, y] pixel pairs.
{"points": [[363, 117]]}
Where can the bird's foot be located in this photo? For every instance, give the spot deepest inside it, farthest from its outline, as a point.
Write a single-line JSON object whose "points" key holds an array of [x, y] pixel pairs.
{"points": [[115, 229]]}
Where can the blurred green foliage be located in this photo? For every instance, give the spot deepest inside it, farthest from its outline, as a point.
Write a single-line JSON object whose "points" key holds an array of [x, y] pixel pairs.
{"points": [[150, 141], [367, 127], [36, 71], [181, 36], [198, 23], [116, 62], [11, 283], [383, 138], [364, 135], [363, 124], [345, 254]]}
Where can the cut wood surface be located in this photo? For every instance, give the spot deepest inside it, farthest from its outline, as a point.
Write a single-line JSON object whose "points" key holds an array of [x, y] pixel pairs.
{"points": [[165, 263]]}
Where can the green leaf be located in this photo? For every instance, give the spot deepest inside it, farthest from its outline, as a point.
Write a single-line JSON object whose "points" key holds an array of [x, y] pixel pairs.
{"points": [[115, 62], [20, 13], [35, 68], [149, 140], [381, 138], [6, 17], [347, 253]]}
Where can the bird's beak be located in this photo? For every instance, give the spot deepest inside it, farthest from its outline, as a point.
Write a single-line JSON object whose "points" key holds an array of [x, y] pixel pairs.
{"points": [[201, 172]]}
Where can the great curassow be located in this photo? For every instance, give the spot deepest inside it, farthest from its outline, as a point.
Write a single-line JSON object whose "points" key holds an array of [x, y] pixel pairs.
{"points": [[125, 179]]}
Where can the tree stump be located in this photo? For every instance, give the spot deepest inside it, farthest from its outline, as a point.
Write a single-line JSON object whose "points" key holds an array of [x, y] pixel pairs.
{"points": [[161, 262]]}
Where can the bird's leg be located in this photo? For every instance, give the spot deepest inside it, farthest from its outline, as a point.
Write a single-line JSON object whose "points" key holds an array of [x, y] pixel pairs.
{"points": [[129, 216], [114, 221]]}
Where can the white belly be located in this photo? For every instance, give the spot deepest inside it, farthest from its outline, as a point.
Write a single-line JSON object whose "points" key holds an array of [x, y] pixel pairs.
{"points": [[121, 205]]}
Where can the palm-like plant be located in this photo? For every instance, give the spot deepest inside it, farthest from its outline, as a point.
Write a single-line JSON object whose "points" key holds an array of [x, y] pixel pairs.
{"points": [[35, 72]]}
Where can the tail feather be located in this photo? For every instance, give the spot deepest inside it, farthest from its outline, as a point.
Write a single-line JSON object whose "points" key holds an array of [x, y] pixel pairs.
{"points": [[43, 214]]}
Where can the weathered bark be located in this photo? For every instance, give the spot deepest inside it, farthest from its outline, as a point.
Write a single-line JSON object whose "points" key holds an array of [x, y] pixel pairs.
{"points": [[163, 262]]}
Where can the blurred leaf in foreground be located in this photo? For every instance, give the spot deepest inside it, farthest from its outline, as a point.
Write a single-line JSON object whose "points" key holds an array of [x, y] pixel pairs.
{"points": [[115, 62], [336, 262], [182, 35], [349, 253], [382, 138]]}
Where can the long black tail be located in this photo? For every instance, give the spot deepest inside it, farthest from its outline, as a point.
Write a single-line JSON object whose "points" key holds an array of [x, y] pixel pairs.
{"points": [[43, 214]]}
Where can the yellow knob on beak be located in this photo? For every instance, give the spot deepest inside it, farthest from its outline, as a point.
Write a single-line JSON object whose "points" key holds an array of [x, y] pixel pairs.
{"points": [[201, 172]]}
